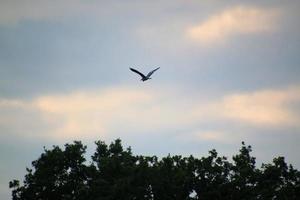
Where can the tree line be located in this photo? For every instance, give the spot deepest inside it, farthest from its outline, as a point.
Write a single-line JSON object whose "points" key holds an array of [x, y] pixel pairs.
{"points": [[116, 174]]}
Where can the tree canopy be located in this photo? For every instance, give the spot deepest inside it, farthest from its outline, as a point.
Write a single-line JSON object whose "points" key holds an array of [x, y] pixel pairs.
{"points": [[116, 174]]}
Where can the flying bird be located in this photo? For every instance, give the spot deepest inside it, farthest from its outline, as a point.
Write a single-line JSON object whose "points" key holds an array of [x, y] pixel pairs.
{"points": [[144, 78]]}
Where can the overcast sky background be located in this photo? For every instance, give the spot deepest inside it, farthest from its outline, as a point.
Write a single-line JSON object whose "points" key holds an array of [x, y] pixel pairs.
{"points": [[229, 72]]}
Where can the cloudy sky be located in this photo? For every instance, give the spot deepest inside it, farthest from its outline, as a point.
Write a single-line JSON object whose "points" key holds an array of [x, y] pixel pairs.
{"points": [[229, 72]]}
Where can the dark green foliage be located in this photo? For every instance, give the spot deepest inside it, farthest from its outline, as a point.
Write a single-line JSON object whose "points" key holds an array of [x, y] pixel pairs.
{"points": [[57, 174], [117, 174]]}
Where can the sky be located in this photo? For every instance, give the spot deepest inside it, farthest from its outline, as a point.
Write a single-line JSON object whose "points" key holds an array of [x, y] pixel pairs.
{"points": [[229, 72]]}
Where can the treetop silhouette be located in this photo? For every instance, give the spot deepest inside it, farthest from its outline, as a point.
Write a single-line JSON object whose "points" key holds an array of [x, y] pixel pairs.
{"points": [[115, 174]]}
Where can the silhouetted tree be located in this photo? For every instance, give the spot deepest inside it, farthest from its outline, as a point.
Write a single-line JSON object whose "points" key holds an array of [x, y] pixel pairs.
{"points": [[212, 177], [116, 174], [57, 174], [279, 181]]}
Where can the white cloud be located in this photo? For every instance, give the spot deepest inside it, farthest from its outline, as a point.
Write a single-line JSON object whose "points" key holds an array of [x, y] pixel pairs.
{"points": [[14, 11], [233, 21], [11, 103], [91, 113], [260, 108], [113, 110], [211, 136], [133, 110]]}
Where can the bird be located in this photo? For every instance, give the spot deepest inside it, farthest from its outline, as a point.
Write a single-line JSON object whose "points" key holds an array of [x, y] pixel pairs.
{"points": [[144, 78]]}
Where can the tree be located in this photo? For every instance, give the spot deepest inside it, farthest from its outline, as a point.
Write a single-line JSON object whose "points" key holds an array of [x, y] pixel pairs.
{"points": [[244, 175], [212, 177], [172, 178], [279, 181], [57, 174], [115, 174]]}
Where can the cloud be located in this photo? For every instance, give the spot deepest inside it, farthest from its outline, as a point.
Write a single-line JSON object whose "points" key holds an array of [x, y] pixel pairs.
{"points": [[15, 11], [111, 111], [206, 135], [260, 108], [11, 103], [92, 113], [211, 136], [135, 110], [233, 21]]}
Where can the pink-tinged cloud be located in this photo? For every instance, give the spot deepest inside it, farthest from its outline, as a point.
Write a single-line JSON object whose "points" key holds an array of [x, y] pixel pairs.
{"points": [[208, 135], [103, 112], [133, 110], [259, 108], [231, 22]]}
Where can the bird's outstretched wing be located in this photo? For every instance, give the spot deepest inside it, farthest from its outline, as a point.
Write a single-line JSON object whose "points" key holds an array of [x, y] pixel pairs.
{"points": [[136, 71], [150, 73]]}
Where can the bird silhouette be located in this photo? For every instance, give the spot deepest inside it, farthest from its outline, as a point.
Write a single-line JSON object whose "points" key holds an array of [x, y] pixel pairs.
{"points": [[144, 78]]}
